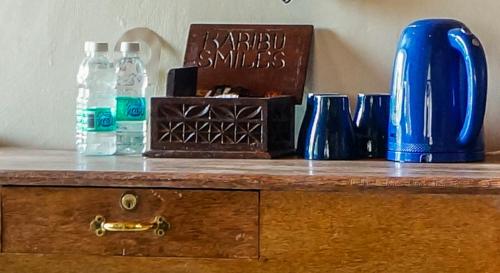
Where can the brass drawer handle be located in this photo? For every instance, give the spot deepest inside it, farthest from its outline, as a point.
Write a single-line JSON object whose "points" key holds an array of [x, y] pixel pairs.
{"points": [[100, 227]]}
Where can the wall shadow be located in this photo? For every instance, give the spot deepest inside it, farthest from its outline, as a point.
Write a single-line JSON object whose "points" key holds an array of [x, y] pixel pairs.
{"points": [[336, 67]]}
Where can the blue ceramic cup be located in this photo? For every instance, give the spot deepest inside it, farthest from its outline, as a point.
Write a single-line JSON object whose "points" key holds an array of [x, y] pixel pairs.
{"points": [[330, 135], [371, 122], [301, 141]]}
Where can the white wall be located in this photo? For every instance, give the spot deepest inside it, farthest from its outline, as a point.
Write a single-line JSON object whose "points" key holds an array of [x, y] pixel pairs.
{"points": [[41, 46]]}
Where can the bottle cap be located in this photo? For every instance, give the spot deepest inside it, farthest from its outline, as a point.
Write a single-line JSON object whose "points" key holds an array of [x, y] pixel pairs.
{"points": [[130, 47], [96, 47]]}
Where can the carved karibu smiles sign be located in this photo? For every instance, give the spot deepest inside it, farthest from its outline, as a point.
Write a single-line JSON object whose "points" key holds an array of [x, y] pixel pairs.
{"points": [[243, 50], [268, 60]]}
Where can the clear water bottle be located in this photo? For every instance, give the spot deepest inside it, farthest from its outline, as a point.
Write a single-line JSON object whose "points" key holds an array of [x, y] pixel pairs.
{"points": [[96, 104], [131, 112], [80, 99]]}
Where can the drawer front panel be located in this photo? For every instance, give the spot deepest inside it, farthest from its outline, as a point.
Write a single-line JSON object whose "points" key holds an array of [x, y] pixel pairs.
{"points": [[210, 224], [381, 232], [0, 219]]}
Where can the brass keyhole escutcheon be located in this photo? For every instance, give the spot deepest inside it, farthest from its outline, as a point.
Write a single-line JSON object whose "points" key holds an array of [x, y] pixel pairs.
{"points": [[128, 201]]}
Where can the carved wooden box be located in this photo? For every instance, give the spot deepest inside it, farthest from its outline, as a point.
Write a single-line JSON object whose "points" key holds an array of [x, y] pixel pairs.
{"points": [[225, 128], [270, 61]]}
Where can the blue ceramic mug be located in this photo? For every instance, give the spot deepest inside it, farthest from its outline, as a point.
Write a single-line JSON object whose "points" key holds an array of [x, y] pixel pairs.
{"points": [[301, 140], [371, 122], [330, 135]]}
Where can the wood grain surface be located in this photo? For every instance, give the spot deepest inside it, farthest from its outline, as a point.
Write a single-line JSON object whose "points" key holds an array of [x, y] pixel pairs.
{"points": [[66, 168], [383, 232], [308, 232], [23, 263], [1, 213], [206, 224]]}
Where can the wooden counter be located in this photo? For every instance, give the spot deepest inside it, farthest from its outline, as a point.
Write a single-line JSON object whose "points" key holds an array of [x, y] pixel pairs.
{"points": [[277, 216], [66, 168]]}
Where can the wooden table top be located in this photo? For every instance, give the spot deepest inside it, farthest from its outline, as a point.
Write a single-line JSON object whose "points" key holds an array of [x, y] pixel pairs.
{"points": [[66, 168]]}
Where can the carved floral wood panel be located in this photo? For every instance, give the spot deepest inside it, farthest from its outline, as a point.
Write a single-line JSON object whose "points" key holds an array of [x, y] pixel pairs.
{"points": [[208, 124]]}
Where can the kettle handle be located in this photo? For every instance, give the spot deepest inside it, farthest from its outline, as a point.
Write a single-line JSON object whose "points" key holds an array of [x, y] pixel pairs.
{"points": [[477, 82]]}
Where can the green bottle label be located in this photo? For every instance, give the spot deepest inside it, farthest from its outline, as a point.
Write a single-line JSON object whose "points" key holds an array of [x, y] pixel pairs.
{"points": [[98, 119], [130, 109]]}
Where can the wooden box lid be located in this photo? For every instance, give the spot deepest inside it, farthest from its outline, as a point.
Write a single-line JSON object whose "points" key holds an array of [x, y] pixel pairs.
{"points": [[268, 60]]}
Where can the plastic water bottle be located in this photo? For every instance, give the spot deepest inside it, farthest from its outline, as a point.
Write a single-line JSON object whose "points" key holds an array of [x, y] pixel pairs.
{"points": [[80, 99], [131, 112], [96, 104]]}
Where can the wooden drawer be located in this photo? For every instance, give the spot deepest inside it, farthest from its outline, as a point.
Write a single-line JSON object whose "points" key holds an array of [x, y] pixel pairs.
{"points": [[209, 224]]}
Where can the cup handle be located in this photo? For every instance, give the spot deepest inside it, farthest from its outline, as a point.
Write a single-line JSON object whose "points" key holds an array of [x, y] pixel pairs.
{"points": [[472, 51]]}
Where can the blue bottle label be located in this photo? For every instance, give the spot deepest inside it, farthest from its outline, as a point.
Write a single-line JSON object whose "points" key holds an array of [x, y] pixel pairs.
{"points": [[130, 109], [98, 119]]}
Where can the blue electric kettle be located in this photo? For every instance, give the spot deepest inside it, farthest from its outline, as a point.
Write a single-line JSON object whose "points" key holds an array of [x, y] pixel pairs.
{"points": [[438, 96]]}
